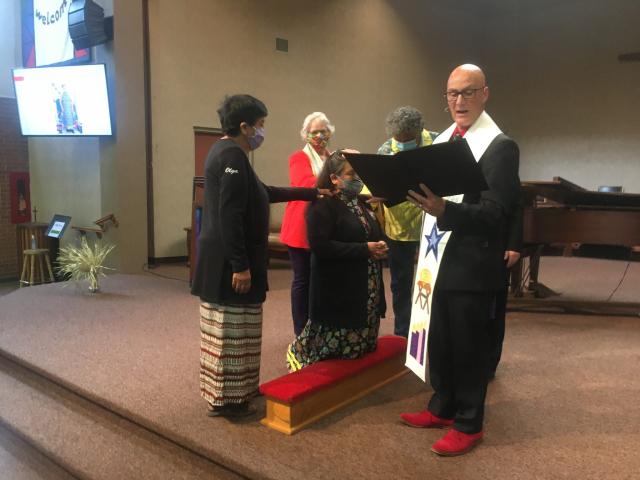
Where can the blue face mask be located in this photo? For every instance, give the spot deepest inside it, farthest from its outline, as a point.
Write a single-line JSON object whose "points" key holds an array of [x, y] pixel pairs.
{"points": [[352, 188], [256, 140], [410, 145]]}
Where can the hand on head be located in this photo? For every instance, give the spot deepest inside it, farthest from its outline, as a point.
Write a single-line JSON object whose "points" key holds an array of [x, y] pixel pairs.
{"points": [[349, 150]]}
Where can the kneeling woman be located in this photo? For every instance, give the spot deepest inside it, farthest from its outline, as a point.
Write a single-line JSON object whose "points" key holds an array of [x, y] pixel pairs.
{"points": [[346, 290]]}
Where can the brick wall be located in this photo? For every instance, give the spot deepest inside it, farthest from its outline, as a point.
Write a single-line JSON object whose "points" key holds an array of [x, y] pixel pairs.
{"points": [[14, 157]]}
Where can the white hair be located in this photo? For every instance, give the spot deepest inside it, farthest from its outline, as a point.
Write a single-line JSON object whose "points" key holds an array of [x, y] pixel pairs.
{"points": [[315, 116]]}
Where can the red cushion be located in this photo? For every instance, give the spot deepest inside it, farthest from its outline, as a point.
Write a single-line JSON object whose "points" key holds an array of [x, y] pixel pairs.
{"points": [[295, 386]]}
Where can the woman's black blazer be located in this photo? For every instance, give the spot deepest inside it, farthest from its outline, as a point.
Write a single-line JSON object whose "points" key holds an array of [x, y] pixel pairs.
{"points": [[339, 279], [235, 226]]}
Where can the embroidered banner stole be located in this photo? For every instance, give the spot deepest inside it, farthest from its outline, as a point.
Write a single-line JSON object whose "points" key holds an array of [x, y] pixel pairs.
{"points": [[433, 243]]}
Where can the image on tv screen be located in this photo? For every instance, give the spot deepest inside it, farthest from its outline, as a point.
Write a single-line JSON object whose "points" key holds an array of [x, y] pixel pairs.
{"points": [[63, 101]]}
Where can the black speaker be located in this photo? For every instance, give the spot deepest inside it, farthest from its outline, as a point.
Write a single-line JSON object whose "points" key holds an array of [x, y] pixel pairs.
{"points": [[87, 24]]}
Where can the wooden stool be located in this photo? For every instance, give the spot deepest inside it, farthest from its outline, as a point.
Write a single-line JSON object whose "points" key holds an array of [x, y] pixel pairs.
{"points": [[29, 263]]}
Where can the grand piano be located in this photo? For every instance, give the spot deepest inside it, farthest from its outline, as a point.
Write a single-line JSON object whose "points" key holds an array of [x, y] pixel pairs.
{"points": [[560, 212]]}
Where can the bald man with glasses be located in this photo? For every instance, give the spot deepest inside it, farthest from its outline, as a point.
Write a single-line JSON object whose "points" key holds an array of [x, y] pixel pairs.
{"points": [[472, 270]]}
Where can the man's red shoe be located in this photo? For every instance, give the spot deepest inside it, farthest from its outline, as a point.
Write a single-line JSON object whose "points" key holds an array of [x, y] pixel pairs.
{"points": [[425, 419], [456, 443]]}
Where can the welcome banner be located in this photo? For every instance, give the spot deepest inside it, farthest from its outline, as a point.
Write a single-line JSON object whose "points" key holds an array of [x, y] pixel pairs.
{"points": [[51, 31], [47, 17]]}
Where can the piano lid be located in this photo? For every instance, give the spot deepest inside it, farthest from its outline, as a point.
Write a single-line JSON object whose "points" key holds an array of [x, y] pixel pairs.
{"points": [[569, 194]]}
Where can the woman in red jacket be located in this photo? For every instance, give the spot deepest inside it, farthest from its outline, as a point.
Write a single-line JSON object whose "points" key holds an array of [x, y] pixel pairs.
{"points": [[304, 166]]}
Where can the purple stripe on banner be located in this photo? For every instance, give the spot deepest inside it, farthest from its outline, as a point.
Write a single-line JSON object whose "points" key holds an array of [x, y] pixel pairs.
{"points": [[423, 338], [414, 345]]}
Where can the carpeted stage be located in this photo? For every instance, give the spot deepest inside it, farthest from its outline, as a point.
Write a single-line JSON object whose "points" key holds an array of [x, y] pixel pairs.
{"points": [[125, 369]]}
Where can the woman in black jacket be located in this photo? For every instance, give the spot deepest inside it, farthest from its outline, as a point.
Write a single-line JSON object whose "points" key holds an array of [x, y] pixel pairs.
{"points": [[346, 292], [231, 271]]}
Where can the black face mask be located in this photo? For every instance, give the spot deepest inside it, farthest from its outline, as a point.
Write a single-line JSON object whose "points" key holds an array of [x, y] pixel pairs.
{"points": [[352, 188]]}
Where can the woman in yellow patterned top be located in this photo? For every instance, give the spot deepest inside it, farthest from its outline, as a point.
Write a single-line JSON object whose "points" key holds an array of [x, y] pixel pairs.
{"points": [[402, 222]]}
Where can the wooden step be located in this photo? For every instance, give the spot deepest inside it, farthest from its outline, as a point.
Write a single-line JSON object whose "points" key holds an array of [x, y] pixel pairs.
{"points": [[87, 440], [20, 461]]}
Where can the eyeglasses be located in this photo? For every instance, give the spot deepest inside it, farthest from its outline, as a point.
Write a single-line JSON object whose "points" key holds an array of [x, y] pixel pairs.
{"points": [[452, 95], [315, 133]]}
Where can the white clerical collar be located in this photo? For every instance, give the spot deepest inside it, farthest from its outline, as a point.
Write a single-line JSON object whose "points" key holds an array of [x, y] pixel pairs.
{"points": [[479, 136]]}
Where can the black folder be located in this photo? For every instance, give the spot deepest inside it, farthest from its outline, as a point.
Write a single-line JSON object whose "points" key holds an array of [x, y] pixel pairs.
{"points": [[446, 168]]}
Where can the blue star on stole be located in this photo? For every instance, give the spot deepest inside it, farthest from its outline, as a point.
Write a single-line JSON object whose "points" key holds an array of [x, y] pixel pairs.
{"points": [[433, 239]]}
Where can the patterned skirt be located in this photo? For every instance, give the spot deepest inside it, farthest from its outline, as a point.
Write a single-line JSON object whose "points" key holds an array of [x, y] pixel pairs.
{"points": [[230, 341], [319, 342]]}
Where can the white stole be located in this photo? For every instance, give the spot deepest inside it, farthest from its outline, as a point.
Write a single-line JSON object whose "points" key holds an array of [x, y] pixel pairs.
{"points": [[432, 246], [314, 159]]}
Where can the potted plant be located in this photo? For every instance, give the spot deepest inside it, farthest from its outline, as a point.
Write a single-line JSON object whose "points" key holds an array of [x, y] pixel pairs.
{"points": [[84, 262]]}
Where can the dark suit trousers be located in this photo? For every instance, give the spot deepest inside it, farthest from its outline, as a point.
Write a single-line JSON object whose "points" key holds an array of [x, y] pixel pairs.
{"points": [[459, 348], [402, 259], [496, 329]]}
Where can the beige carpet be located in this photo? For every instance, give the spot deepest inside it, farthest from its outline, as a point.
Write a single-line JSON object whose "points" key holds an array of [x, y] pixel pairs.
{"points": [[20, 461], [564, 403]]}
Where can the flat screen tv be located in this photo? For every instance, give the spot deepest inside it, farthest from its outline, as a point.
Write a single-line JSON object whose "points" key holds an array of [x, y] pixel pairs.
{"points": [[69, 101]]}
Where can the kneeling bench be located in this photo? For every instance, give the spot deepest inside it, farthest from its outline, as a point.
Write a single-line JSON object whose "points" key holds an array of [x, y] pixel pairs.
{"points": [[303, 397]]}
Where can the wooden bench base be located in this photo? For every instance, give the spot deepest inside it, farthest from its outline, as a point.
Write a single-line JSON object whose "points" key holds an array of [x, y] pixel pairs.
{"points": [[290, 418]]}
